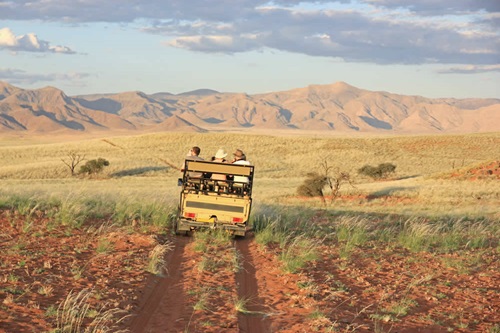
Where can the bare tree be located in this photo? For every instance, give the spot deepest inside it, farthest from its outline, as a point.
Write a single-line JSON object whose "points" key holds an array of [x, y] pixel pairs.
{"points": [[335, 179], [72, 161]]}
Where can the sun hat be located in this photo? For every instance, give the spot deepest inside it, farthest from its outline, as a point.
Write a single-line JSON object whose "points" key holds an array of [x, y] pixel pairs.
{"points": [[239, 153], [220, 153]]}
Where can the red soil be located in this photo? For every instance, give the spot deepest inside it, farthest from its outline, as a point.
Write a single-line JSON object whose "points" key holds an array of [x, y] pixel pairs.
{"points": [[369, 288], [490, 170]]}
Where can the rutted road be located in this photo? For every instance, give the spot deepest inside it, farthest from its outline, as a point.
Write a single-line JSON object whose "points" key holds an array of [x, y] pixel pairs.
{"points": [[255, 321], [164, 305]]}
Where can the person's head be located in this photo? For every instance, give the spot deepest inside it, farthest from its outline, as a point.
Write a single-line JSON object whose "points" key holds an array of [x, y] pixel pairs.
{"points": [[220, 154], [195, 151], [239, 155]]}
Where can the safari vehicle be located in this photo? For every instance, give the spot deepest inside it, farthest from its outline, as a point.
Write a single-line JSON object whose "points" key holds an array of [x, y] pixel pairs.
{"points": [[209, 203]]}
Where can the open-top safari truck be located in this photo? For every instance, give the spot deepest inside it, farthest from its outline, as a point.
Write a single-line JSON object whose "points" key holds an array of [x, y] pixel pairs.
{"points": [[215, 195]]}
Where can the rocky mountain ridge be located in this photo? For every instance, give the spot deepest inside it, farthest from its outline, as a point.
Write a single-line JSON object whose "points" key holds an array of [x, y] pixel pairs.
{"points": [[337, 107]]}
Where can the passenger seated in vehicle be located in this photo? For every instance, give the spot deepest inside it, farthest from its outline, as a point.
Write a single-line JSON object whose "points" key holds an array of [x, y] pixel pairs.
{"points": [[193, 155], [220, 179], [220, 157], [240, 182]]}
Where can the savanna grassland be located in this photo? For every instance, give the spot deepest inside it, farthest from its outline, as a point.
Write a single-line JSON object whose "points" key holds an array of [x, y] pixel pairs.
{"points": [[415, 251]]}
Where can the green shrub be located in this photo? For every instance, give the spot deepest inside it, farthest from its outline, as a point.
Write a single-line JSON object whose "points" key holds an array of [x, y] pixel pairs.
{"points": [[313, 185], [93, 166], [378, 172]]}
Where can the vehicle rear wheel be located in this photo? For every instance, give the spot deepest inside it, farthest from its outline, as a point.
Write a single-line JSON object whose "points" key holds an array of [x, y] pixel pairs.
{"points": [[175, 223], [176, 227]]}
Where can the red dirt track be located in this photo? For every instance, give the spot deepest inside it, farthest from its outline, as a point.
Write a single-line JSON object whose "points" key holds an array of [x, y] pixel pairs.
{"points": [[248, 289], [382, 288], [157, 312]]}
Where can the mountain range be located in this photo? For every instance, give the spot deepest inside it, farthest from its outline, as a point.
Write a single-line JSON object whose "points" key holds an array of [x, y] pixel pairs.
{"points": [[337, 107]]}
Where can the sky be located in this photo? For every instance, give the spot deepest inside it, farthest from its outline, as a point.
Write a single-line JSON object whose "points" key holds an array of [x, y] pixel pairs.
{"points": [[431, 48]]}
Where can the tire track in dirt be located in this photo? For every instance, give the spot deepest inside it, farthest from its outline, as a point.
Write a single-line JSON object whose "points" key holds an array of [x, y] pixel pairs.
{"points": [[255, 321], [162, 305]]}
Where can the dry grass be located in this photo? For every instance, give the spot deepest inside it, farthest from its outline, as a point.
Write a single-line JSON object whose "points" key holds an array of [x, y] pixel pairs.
{"points": [[140, 167], [157, 264], [73, 311]]}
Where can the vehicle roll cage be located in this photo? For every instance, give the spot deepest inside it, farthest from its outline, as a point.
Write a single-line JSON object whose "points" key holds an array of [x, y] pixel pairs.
{"points": [[197, 177]]}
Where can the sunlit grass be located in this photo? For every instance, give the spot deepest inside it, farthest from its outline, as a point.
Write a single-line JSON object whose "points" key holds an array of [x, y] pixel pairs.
{"points": [[138, 170], [202, 298], [413, 155], [157, 263], [241, 306], [297, 252], [73, 311]]}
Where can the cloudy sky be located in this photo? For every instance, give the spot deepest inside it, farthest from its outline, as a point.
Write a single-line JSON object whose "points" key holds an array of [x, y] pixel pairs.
{"points": [[433, 48]]}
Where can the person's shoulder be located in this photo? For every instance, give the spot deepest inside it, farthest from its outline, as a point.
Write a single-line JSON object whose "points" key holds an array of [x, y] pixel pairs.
{"points": [[194, 158], [242, 162]]}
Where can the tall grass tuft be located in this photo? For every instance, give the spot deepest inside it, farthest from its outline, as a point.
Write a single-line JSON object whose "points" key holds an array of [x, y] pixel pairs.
{"points": [[297, 252], [21, 203], [271, 230], [156, 264], [352, 231], [277, 225], [446, 235], [135, 211], [416, 235], [71, 212], [73, 311]]}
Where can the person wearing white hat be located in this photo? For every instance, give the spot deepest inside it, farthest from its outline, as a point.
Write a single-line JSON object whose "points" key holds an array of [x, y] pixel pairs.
{"points": [[220, 157]]}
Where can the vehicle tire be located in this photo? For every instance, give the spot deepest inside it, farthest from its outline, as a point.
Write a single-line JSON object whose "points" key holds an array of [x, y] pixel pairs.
{"points": [[175, 224], [176, 228]]}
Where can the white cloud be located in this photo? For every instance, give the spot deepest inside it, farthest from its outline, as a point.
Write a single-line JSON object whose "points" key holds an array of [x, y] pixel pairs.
{"points": [[215, 44], [7, 38], [28, 43], [373, 31], [19, 76], [478, 51], [224, 10], [470, 69], [441, 7]]}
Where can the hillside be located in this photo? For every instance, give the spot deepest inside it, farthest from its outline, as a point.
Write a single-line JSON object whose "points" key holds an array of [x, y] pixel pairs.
{"points": [[337, 107]]}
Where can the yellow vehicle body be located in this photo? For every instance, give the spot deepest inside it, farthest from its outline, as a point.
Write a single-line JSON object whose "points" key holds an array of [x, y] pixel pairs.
{"points": [[207, 201]]}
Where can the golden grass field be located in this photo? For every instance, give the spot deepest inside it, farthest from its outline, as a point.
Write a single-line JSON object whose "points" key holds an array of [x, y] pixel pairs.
{"points": [[415, 252], [138, 170]]}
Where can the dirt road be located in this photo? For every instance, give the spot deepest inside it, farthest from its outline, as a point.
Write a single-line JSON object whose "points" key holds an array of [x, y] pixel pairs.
{"points": [[256, 321], [162, 304], [165, 304], [239, 285]]}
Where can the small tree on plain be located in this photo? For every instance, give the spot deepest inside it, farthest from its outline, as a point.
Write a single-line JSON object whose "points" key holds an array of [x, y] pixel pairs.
{"points": [[93, 166], [315, 183], [72, 160]]}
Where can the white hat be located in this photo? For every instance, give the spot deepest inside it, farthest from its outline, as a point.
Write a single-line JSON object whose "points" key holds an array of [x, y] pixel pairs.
{"points": [[221, 153]]}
